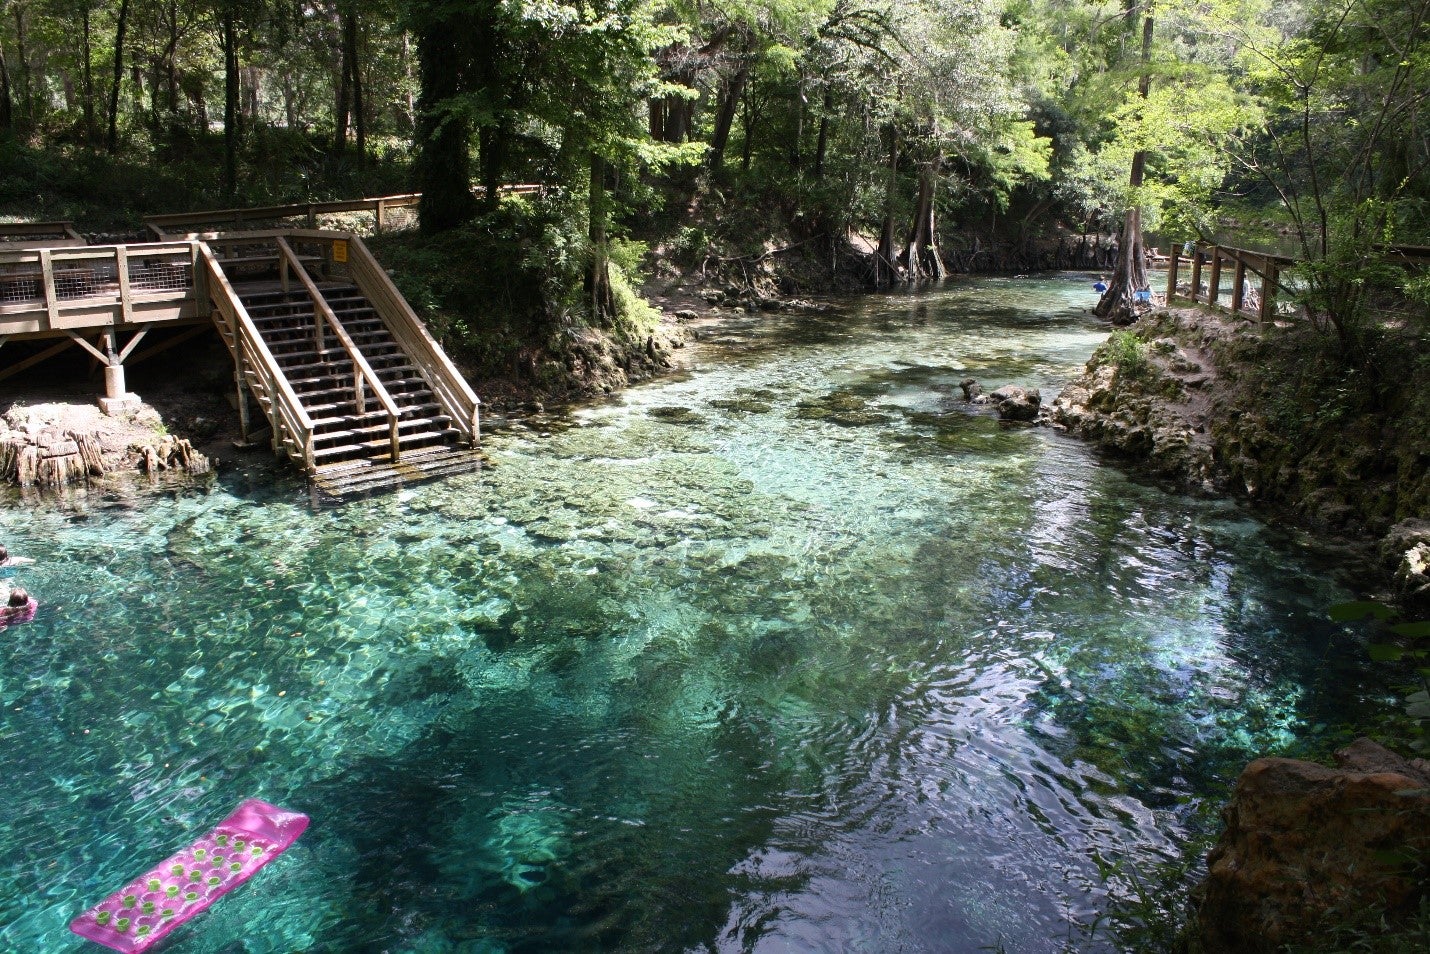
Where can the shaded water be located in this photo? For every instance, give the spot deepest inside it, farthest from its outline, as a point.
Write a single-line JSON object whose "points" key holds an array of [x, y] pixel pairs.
{"points": [[792, 652]]}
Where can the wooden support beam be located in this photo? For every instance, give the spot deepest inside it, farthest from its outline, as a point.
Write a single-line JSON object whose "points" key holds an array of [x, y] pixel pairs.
{"points": [[1172, 263], [35, 359], [1214, 282], [133, 343], [99, 356], [1197, 258], [1238, 282]]}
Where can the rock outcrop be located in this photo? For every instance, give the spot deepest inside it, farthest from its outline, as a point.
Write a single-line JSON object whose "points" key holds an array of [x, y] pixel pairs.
{"points": [[1306, 845], [1217, 404]]}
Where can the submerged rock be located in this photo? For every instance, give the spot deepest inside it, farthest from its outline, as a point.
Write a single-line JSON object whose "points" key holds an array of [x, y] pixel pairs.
{"points": [[1305, 844], [971, 389]]}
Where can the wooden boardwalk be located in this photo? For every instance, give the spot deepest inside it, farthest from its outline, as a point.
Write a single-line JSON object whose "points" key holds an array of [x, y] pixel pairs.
{"points": [[354, 388]]}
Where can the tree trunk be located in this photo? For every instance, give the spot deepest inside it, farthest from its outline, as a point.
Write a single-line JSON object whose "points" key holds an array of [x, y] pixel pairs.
{"points": [[443, 137], [920, 257], [342, 108], [7, 117], [491, 158], [886, 270], [731, 89], [112, 141], [171, 62], [87, 50], [598, 281], [230, 102], [27, 99], [350, 53], [1119, 304], [822, 149], [796, 151]]}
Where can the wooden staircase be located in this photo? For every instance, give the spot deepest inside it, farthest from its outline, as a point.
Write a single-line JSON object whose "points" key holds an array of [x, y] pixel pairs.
{"points": [[353, 386]]}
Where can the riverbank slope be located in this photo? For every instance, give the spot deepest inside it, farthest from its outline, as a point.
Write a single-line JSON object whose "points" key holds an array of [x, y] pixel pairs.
{"points": [[1271, 413]]}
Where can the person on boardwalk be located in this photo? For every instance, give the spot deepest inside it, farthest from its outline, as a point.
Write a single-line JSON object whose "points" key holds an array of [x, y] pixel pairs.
{"points": [[7, 560], [19, 608]]}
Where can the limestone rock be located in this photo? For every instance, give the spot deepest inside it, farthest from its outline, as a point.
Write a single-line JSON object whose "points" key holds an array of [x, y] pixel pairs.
{"points": [[971, 388], [1305, 843], [1016, 403], [1405, 550]]}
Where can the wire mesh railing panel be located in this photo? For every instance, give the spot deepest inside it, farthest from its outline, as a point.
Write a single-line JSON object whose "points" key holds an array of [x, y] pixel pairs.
{"points": [[160, 275], [21, 287]]}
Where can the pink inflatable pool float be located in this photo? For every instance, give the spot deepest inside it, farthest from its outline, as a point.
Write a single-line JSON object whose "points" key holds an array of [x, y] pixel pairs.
{"points": [[185, 884]]}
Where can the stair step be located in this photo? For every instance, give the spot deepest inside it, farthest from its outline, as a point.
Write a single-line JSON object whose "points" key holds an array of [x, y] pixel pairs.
{"points": [[381, 447], [343, 481], [379, 363], [378, 429]]}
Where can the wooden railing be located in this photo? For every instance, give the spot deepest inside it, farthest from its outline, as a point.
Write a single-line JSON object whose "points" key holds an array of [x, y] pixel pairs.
{"points": [[1262, 301], [292, 427], [61, 289], [23, 235], [458, 399], [1209, 260], [165, 225], [363, 373], [187, 223]]}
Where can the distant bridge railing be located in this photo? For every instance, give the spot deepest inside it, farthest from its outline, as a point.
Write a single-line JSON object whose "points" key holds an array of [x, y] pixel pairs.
{"points": [[1209, 265], [388, 211], [15, 236]]}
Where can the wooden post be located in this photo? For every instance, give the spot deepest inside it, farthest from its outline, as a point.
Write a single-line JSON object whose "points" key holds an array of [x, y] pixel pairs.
{"points": [[1214, 282], [1269, 282], [378, 229], [47, 270], [1172, 263], [240, 381], [312, 216], [1238, 282], [121, 265], [1197, 274]]}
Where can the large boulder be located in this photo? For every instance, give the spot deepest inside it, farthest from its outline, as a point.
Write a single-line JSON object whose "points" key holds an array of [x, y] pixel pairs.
{"points": [[1306, 844], [1406, 553], [1015, 403]]}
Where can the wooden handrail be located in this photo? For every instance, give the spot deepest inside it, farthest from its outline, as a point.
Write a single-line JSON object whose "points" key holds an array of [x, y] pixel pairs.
{"points": [[448, 384], [289, 412], [364, 370], [309, 210]]}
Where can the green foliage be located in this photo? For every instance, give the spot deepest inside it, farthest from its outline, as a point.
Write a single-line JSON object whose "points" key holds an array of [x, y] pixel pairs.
{"points": [[1128, 353]]}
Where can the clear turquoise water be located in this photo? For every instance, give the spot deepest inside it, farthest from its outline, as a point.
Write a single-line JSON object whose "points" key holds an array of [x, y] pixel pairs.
{"points": [[791, 652]]}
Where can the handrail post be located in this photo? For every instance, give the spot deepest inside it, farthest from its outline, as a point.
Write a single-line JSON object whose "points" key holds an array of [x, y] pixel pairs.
{"points": [[1214, 282], [1238, 280], [121, 271], [393, 439], [1270, 281], [1197, 257], [359, 397], [47, 276], [1172, 272]]}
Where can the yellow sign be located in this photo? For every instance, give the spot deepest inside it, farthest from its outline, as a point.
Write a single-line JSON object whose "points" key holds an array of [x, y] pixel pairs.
{"points": [[340, 250]]}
